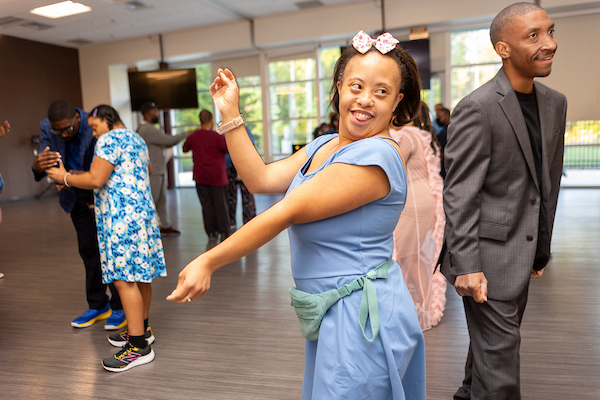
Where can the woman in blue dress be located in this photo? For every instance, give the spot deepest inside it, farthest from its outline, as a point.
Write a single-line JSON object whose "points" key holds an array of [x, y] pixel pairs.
{"points": [[344, 195], [131, 251]]}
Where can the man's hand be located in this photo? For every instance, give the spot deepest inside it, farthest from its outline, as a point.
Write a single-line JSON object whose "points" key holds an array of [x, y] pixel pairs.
{"points": [[46, 159], [474, 285], [4, 128], [537, 274]]}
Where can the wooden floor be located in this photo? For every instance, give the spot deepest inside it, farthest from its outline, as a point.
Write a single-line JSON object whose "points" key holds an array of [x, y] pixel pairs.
{"points": [[242, 340]]}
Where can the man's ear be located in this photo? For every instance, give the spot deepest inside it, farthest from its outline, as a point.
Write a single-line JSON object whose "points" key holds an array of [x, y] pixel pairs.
{"points": [[502, 49]]}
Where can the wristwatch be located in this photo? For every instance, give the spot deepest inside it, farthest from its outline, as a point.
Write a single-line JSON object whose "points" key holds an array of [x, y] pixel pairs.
{"points": [[231, 125]]}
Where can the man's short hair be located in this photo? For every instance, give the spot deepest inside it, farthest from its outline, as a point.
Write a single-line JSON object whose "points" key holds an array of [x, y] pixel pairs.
{"points": [[205, 116], [504, 17], [60, 110], [147, 106]]}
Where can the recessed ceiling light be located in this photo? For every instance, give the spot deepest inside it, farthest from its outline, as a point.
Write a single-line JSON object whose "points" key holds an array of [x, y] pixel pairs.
{"points": [[60, 10]]}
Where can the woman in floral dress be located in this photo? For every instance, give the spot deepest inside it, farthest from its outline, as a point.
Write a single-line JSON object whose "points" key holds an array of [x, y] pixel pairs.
{"points": [[131, 249]]}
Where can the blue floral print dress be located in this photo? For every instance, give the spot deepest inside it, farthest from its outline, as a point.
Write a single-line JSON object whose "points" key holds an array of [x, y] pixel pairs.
{"points": [[128, 234]]}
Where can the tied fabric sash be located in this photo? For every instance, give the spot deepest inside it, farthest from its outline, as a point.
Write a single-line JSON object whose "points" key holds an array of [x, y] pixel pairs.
{"points": [[311, 308]]}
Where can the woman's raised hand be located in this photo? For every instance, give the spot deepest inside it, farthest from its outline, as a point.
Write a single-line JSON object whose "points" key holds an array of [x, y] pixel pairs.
{"points": [[225, 94]]}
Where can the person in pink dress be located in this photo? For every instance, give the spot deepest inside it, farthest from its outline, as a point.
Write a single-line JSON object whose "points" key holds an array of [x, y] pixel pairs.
{"points": [[419, 234]]}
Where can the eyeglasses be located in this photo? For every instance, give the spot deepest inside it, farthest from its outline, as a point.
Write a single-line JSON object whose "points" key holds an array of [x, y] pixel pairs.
{"points": [[68, 130]]}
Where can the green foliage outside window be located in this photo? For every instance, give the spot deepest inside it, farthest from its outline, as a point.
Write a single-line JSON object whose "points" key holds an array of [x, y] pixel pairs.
{"points": [[328, 56], [582, 144], [472, 47], [294, 102], [188, 118], [292, 70], [473, 60], [251, 107]]}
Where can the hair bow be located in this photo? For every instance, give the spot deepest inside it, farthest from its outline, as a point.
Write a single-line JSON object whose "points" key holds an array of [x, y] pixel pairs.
{"points": [[384, 43]]}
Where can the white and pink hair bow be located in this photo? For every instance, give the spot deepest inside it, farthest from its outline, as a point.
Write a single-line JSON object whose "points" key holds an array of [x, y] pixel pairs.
{"points": [[385, 43]]}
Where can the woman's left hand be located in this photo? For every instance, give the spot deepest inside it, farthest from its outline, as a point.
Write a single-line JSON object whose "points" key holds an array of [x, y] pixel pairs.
{"points": [[225, 94], [57, 174], [193, 283]]}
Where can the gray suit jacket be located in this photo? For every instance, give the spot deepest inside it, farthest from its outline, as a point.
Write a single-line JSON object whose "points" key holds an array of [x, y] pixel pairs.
{"points": [[491, 192], [157, 142]]}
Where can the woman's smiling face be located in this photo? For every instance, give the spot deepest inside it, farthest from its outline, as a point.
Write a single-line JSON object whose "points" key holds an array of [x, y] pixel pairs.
{"points": [[369, 93]]}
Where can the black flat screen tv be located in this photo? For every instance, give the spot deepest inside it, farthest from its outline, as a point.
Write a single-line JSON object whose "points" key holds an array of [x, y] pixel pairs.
{"points": [[169, 88], [419, 50]]}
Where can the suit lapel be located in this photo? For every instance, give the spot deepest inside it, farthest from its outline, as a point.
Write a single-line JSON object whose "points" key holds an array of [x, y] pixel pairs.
{"points": [[512, 109]]}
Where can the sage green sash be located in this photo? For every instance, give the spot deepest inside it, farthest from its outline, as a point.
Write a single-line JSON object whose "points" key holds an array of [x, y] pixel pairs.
{"points": [[311, 308]]}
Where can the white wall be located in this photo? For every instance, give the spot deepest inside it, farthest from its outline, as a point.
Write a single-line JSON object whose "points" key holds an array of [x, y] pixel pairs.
{"points": [[576, 67], [576, 72], [98, 63]]}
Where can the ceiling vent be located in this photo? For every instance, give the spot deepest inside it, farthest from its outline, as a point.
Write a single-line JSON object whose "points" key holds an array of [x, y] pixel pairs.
{"points": [[305, 5], [135, 5], [36, 26], [6, 22], [80, 42]]}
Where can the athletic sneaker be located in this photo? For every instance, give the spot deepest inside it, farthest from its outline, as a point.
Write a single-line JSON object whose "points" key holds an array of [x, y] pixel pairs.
{"points": [[122, 338], [116, 320], [91, 316], [127, 358]]}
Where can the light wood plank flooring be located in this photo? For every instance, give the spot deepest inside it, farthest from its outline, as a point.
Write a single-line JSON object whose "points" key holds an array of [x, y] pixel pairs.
{"points": [[242, 340]]}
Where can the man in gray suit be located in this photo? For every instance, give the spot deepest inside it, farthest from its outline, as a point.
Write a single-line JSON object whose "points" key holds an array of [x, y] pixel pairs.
{"points": [[503, 162]]}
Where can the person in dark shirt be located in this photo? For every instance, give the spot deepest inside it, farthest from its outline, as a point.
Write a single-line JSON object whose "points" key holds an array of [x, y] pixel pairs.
{"points": [[208, 154], [504, 161], [66, 135]]}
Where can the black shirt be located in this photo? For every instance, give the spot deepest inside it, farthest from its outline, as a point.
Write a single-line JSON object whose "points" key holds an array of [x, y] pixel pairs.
{"points": [[529, 107]]}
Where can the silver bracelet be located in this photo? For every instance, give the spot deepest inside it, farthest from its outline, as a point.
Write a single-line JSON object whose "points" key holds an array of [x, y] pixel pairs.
{"points": [[65, 179], [231, 125]]}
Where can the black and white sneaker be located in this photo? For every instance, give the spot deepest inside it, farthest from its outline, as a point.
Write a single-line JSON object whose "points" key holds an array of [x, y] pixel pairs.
{"points": [[120, 339], [128, 358]]}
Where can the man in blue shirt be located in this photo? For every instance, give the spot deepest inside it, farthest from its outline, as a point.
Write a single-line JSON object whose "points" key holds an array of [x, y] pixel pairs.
{"points": [[66, 135]]}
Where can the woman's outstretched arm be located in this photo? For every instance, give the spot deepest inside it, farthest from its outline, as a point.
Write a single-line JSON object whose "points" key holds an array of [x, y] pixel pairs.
{"points": [[337, 189]]}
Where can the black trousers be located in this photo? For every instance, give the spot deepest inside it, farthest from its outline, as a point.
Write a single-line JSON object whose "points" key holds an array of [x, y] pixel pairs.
{"points": [[214, 208], [85, 224]]}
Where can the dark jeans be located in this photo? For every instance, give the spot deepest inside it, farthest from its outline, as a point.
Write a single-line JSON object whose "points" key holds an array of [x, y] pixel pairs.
{"points": [[85, 224], [214, 208]]}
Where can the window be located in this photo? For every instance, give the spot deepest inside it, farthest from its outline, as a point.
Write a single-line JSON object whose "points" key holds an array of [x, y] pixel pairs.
{"points": [[473, 62], [328, 56], [251, 107], [294, 103], [187, 120]]}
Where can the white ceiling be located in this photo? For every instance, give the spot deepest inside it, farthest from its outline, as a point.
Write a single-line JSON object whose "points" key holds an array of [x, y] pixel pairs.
{"points": [[111, 20]]}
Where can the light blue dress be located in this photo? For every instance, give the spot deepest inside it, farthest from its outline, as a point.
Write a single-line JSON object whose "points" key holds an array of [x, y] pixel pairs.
{"points": [[128, 234], [329, 253]]}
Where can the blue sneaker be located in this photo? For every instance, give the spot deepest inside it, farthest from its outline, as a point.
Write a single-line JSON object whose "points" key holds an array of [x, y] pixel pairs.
{"points": [[89, 317], [116, 320]]}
